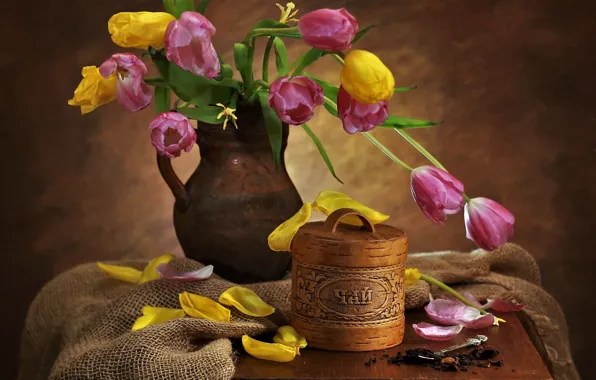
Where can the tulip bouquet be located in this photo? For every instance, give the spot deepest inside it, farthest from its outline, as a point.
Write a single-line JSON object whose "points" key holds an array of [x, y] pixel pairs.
{"points": [[179, 44]]}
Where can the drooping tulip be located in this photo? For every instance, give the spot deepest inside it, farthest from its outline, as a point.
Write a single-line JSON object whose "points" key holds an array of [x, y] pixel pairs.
{"points": [[294, 99], [436, 192], [171, 133], [139, 29], [131, 92], [188, 44], [366, 78], [359, 117], [328, 29], [488, 223], [93, 90]]}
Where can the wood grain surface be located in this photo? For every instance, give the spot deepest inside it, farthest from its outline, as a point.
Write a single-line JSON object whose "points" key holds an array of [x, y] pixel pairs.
{"points": [[520, 359], [514, 81]]}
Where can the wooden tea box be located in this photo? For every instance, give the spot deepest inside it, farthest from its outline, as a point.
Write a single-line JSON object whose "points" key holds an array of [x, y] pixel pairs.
{"points": [[348, 284]]}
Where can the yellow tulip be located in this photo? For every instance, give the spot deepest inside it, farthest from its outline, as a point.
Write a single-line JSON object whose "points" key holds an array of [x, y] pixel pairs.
{"points": [[139, 29], [247, 301], [156, 315], [268, 351], [412, 276], [94, 90], [288, 336], [202, 307], [281, 238], [329, 201], [135, 276], [366, 78]]}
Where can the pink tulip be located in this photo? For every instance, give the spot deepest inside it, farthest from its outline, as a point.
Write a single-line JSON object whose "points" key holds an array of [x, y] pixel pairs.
{"points": [[358, 117], [131, 91], [171, 133], [488, 223], [437, 192], [294, 99], [328, 29], [188, 44]]}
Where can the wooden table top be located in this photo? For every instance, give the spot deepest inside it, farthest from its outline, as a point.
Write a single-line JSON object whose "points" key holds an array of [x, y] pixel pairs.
{"points": [[520, 358]]}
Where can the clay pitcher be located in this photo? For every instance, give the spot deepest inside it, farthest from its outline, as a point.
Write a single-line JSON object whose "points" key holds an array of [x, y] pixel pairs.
{"points": [[234, 199]]}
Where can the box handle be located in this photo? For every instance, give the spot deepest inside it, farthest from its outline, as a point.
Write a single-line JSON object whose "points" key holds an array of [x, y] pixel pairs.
{"points": [[335, 217]]}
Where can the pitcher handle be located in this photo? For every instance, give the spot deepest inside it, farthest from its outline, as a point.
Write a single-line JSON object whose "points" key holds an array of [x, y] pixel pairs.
{"points": [[180, 193], [335, 217]]}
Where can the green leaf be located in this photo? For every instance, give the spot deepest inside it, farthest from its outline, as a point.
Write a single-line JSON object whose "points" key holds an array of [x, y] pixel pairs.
{"points": [[281, 57], [407, 122], [274, 127], [241, 59], [362, 32], [205, 114], [405, 89], [162, 99], [308, 59], [226, 71], [157, 82], [331, 110], [330, 91], [177, 7], [170, 7], [322, 151], [203, 6]]}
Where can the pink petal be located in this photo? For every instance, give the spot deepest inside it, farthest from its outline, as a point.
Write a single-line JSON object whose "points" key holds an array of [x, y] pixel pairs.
{"points": [[504, 306], [436, 333], [454, 312], [168, 272], [470, 297]]}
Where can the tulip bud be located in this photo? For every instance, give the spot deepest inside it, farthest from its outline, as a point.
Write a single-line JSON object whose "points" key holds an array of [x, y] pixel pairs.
{"points": [[139, 29], [188, 44], [436, 192], [328, 29], [94, 90], [488, 223], [294, 99], [171, 133], [358, 117], [131, 91], [366, 78]]}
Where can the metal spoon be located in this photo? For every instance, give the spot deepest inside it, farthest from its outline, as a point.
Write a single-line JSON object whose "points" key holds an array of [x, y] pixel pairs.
{"points": [[476, 341]]}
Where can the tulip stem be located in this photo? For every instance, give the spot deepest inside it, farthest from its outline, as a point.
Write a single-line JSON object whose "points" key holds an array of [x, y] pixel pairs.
{"points": [[450, 290], [466, 197], [330, 103], [338, 58], [270, 32], [266, 59], [387, 152], [420, 148]]}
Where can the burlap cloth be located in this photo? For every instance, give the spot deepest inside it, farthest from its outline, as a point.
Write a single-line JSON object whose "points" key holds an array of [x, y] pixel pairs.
{"points": [[78, 326]]}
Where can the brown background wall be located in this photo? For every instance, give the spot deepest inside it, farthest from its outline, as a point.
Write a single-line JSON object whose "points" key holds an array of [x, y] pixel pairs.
{"points": [[513, 79]]}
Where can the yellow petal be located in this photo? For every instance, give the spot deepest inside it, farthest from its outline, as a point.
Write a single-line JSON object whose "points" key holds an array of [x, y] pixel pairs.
{"points": [[288, 336], [268, 351], [126, 274], [412, 275], [139, 29], [281, 238], [202, 307], [366, 78], [93, 90], [156, 315], [150, 271], [329, 201], [246, 301]]}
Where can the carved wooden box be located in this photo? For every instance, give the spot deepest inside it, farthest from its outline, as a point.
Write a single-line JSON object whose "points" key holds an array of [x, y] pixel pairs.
{"points": [[348, 284]]}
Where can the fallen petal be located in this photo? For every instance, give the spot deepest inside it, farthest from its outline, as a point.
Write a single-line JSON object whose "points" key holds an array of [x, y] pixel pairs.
{"points": [[437, 333], [281, 238], [288, 336], [504, 305], [150, 271], [328, 201], [168, 272], [454, 312], [202, 307], [247, 301], [268, 351], [470, 297], [126, 274], [156, 315]]}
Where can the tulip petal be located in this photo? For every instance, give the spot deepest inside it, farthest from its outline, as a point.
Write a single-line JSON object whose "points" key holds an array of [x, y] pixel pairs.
{"points": [[288, 336], [412, 275], [504, 305], [202, 307], [268, 351], [247, 301], [156, 315], [470, 297], [150, 271], [328, 201], [436, 333], [126, 274], [168, 272], [281, 238], [453, 312]]}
